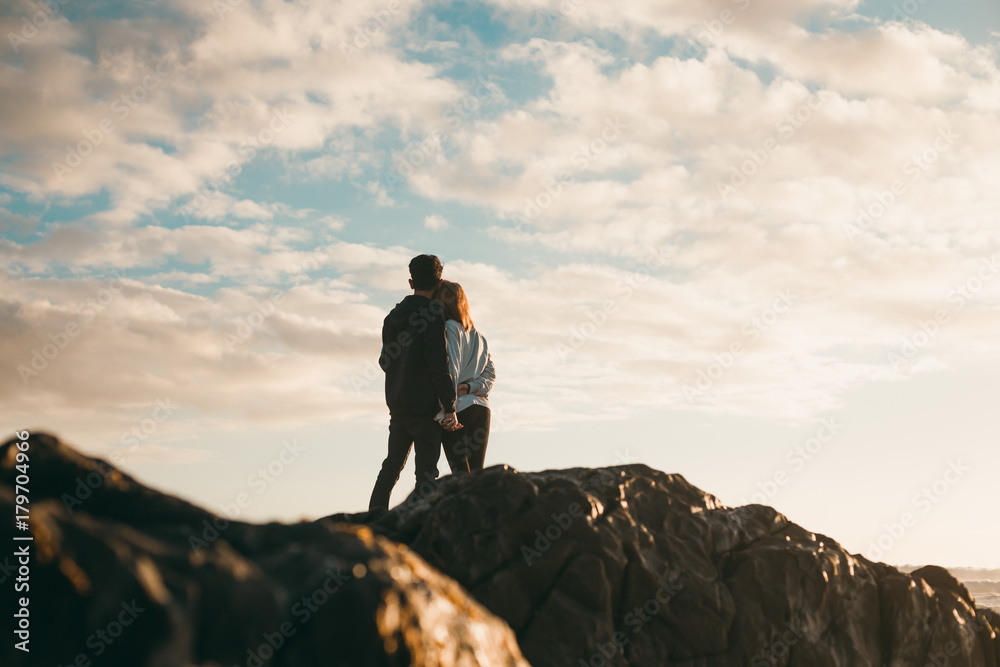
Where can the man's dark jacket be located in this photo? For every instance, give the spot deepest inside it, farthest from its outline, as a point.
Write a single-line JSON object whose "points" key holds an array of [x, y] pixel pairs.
{"points": [[415, 359]]}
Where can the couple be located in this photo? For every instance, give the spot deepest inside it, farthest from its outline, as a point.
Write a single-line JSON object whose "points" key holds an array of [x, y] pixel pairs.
{"points": [[435, 361]]}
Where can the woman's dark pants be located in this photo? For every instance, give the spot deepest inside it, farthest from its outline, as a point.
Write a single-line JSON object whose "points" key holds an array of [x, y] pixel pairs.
{"points": [[465, 448]]}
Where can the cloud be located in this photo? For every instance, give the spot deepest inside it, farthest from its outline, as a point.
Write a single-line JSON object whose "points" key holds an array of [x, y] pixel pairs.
{"points": [[146, 343], [435, 223], [185, 102], [676, 17], [15, 222], [755, 164], [753, 181]]}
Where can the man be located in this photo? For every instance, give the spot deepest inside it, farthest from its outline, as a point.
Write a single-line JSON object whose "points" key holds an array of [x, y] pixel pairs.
{"points": [[418, 381]]}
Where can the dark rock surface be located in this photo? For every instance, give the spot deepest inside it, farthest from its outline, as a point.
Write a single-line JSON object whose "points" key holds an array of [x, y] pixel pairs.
{"points": [[631, 566], [615, 566], [119, 581]]}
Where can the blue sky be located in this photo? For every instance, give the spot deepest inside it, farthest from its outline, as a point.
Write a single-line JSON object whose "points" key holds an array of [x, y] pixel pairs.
{"points": [[626, 192]]}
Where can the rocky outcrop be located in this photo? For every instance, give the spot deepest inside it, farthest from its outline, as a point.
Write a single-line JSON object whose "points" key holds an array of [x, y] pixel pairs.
{"points": [[616, 566], [123, 575], [631, 566]]}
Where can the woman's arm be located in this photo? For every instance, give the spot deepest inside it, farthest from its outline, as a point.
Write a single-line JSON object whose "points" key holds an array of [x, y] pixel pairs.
{"points": [[483, 384], [487, 378]]}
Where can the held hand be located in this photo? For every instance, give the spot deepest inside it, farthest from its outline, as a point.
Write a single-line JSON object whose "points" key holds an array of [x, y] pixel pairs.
{"points": [[450, 422], [463, 389]]}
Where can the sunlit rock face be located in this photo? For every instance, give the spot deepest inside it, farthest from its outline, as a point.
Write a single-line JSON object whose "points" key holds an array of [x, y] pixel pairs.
{"points": [[631, 566], [123, 575]]}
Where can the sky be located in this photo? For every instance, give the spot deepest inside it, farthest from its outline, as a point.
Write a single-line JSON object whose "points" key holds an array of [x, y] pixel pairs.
{"points": [[754, 243]]}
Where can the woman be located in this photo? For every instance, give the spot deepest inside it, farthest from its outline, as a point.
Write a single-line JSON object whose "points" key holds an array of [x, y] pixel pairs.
{"points": [[472, 369]]}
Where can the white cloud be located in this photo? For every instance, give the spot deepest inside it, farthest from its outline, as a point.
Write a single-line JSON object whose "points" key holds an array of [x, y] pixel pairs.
{"points": [[263, 77], [674, 17], [620, 155], [435, 223], [15, 221], [235, 355]]}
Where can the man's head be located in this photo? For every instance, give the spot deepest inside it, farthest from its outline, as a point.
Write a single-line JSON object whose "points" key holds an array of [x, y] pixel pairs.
{"points": [[425, 272]]}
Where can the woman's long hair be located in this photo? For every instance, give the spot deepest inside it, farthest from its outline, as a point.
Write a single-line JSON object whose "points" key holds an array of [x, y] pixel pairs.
{"points": [[456, 305]]}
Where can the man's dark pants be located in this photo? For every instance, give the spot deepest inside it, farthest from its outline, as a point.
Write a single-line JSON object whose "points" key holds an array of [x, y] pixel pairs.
{"points": [[424, 434]]}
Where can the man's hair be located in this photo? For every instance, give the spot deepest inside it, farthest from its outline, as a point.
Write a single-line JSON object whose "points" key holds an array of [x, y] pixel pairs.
{"points": [[425, 270]]}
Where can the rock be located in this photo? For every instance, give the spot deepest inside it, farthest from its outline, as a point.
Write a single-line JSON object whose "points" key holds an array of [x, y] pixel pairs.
{"points": [[622, 566], [630, 566], [124, 575], [942, 580]]}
